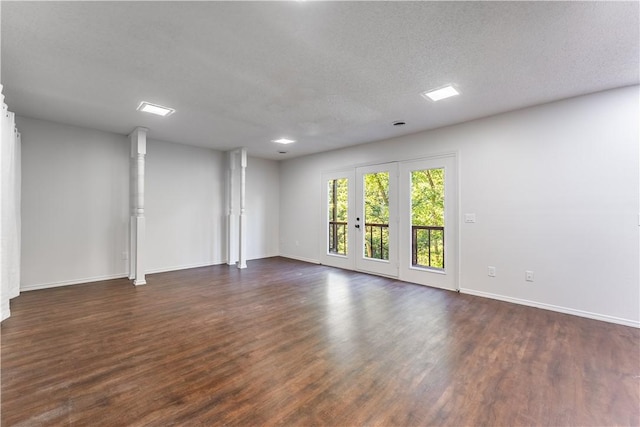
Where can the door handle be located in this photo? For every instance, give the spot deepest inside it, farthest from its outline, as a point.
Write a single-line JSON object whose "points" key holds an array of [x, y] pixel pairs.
{"points": [[357, 225]]}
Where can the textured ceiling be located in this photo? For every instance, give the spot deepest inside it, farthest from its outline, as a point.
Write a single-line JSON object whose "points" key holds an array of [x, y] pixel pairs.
{"points": [[329, 74]]}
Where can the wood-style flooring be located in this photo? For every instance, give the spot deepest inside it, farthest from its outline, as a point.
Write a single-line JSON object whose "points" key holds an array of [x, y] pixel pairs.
{"points": [[295, 344]]}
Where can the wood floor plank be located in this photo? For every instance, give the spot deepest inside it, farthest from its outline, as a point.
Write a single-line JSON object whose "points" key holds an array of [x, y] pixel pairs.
{"points": [[289, 343]]}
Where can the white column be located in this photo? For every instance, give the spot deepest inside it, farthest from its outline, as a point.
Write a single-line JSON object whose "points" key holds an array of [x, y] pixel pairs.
{"points": [[4, 285], [242, 261], [236, 216], [9, 209], [18, 207], [232, 221], [14, 212], [137, 225]]}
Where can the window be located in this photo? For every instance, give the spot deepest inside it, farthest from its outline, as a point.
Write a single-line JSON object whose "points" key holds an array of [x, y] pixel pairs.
{"points": [[427, 218], [338, 208]]}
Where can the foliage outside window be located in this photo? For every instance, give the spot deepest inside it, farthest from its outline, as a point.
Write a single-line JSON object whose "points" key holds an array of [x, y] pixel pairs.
{"points": [[338, 204], [427, 218], [376, 215]]}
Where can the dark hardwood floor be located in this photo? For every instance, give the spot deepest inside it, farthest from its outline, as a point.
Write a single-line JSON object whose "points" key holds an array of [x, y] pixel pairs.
{"points": [[289, 343]]}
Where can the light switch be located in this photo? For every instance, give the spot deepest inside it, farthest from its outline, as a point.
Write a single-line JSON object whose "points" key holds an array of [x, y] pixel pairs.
{"points": [[470, 218]]}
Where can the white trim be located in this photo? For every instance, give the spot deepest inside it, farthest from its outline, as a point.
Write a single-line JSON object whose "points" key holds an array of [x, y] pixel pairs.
{"points": [[184, 267], [388, 267], [299, 258], [556, 308], [35, 287], [447, 278], [261, 257], [326, 258], [5, 310], [125, 275]]}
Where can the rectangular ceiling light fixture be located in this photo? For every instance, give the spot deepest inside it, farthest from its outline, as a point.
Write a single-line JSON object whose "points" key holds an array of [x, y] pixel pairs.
{"points": [[159, 110], [442, 93], [283, 141]]}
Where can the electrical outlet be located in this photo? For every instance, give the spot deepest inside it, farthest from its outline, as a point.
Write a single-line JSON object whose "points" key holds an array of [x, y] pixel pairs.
{"points": [[528, 276], [491, 271]]}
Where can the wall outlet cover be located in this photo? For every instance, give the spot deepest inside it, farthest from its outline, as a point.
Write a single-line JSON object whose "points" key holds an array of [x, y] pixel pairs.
{"points": [[491, 271]]}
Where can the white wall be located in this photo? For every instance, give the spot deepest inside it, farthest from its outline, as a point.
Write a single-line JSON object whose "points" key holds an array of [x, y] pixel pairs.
{"points": [[183, 206], [75, 205], [555, 189], [75, 197], [262, 208]]}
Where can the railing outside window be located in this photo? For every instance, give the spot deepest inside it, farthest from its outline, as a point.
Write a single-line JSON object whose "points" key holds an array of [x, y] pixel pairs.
{"points": [[376, 241], [427, 243], [427, 246], [338, 235]]}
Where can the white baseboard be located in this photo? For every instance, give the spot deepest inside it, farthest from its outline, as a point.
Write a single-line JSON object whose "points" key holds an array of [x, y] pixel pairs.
{"points": [[5, 311], [183, 267], [263, 256], [299, 258], [559, 309], [25, 288]]}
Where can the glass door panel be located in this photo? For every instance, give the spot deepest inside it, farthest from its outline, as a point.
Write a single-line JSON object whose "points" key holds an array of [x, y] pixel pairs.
{"points": [[427, 218], [394, 219], [376, 215], [428, 222], [376, 219], [338, 202], [338, 232]]}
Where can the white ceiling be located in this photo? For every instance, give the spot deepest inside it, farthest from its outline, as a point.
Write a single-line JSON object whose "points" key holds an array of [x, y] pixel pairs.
{"points": [[329, 74]]}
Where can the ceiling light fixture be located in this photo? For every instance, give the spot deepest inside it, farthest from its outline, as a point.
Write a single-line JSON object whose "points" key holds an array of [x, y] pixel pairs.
{"points": [[159, 110], [442, 93], [283, 141]]}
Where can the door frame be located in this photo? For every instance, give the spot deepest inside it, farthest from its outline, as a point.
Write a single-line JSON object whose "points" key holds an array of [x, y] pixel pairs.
{"points": [[336, 260], [453, 218], [447, 278], [388, 267]]}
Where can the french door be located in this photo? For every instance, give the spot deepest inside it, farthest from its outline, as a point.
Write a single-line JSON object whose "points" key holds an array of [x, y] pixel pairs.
{"points": [[395, 219], [428, 226], [338, 218], [376, 222]]}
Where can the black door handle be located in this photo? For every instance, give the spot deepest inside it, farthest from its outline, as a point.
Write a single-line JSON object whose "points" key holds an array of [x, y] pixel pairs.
{"points": [[357, 225]]}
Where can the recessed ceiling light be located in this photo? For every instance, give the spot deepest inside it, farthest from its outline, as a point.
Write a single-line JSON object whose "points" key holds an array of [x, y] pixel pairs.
{"points": [[442, 93], [283, 141], [159, 110]]}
